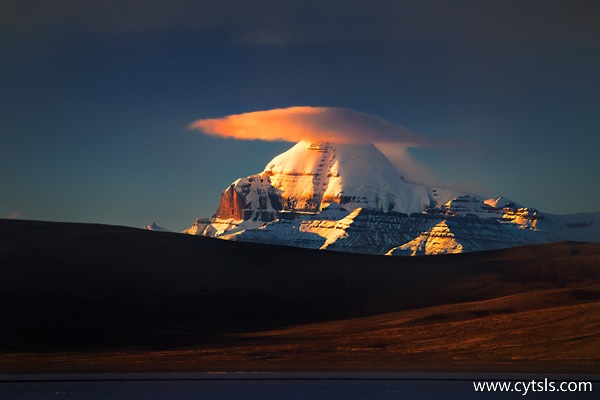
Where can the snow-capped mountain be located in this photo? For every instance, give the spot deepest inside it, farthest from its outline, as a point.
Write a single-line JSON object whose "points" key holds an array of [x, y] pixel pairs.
{"points": [[311, 176], [348, 197], [154, 227]]}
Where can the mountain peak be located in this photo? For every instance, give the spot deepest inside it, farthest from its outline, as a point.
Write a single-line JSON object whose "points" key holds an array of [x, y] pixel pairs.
{"points": [[312, 175], [154, 227]]}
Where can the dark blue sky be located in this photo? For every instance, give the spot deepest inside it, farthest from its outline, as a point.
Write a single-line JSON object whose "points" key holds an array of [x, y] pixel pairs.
{"points": [[96, 97]]}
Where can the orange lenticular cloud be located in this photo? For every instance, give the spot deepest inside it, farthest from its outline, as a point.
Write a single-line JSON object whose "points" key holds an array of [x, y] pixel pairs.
{"points": [[326, 124]]}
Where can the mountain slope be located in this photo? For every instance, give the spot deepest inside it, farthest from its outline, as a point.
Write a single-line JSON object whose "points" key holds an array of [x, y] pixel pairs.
{"points": [[98, 288]]}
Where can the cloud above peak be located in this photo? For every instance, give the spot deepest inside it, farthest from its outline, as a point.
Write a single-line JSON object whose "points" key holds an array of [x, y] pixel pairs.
{"points": [[325, 124]]}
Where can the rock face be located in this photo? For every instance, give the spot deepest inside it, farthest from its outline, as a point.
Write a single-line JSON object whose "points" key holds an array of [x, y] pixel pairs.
{"points": [[350, 198]]}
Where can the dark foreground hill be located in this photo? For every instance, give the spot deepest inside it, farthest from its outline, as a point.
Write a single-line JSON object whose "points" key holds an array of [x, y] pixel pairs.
{"points": [[98, 297]]}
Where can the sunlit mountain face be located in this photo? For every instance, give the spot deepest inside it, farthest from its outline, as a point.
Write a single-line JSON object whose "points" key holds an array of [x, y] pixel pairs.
{"points": [[349, 197]]}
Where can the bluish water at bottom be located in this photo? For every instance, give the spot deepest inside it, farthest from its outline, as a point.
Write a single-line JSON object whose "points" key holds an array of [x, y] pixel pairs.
{"points": [[270, 386]]}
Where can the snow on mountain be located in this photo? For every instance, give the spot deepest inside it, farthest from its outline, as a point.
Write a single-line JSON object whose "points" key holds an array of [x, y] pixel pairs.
{"points": [[375, 232], [359, 231], [198, 227], [580, 226], [154, 227], [501, 202], [346, 197], [437, 240], [463, 234], [500, 228], [442, 195], [310, 176]]}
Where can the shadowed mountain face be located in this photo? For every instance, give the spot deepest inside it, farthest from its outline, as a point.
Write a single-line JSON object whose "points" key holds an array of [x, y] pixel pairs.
{"points": [[88, 287]]}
